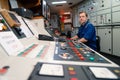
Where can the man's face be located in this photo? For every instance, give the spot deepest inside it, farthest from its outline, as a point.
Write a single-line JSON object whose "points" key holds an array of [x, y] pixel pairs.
{"points": [[82, 18]]}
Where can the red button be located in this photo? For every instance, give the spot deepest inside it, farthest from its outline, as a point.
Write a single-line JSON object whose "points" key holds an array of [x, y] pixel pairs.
{"points": [[82, 58], [79, 55], [72, 72], [77, 52], [73, 78], [3, 71]]}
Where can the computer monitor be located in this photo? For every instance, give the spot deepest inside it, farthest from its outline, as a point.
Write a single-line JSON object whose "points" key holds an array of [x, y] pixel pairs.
{"points": [[13, 4], [44, 8]]}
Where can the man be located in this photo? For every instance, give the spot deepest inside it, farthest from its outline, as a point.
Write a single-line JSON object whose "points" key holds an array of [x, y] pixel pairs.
{"points": [[86, 33]]}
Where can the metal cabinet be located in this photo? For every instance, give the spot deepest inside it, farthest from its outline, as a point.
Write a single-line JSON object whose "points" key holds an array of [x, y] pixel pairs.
{"points": [[105, 39], [116, 41]]}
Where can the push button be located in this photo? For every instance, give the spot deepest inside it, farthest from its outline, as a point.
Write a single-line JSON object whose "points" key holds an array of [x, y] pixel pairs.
{"points": [[73, 78], [100, 59], [72, 72], [79, 55], [82, 58], [77, 46], [3, 71], [87, 55], [92, 58], [117, 71], [70, 68]]}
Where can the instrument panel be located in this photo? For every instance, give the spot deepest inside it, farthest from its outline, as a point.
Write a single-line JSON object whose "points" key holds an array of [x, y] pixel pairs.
{"points": [[74, 51], [73, 72]]}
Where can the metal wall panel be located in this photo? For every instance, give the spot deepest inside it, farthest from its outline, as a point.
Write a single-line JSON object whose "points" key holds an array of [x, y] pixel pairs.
{"points": [[104, 17], [54, 20], [116, 41], [115, 17], [104, 11], [116, 8], [93, 20], [101, 4], [105, 39], [116, 14], [91, 6], [115, 2], [77, 18]]}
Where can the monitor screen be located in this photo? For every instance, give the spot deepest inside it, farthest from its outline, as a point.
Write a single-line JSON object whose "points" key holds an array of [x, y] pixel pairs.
{"points": [[44, 11], [13, 4], [48, 13]]}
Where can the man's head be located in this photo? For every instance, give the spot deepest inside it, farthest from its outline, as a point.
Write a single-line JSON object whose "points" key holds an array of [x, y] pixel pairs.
{"points": [[83, 17]]}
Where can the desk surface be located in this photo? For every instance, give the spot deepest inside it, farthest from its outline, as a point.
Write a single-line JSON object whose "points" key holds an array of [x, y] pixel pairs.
{"points": [[21, 67]]}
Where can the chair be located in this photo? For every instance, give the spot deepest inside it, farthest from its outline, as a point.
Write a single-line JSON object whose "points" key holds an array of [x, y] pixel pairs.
{"points": [[98, 43]]}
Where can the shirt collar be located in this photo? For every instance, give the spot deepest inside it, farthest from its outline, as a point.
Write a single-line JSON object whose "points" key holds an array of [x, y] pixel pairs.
{"points": [[84, 23]]}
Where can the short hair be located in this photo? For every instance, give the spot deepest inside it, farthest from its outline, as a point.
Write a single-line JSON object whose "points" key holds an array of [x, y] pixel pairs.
{"points": [[83, 12]]}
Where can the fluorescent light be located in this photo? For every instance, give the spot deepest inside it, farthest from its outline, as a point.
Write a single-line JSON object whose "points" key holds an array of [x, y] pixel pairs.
{"points": [[59, 2], [66, 12]]}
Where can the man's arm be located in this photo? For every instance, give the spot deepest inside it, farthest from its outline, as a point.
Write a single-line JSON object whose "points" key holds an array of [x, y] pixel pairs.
{"points": [[74, 37], [83, 40]]}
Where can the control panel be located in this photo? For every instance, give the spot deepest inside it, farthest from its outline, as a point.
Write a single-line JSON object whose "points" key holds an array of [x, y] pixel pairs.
{"points": [[49, 71], [74, 51], [12, 22], [16, 29], [3, 25]]}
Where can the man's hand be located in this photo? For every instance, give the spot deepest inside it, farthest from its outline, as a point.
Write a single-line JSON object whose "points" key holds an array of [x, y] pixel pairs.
{"points": [[73, 38], [83, 40]]}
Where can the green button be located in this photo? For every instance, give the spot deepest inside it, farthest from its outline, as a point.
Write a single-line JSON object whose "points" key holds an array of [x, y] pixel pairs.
{"points": [[92, 58], [2, 21], [77, 46]]}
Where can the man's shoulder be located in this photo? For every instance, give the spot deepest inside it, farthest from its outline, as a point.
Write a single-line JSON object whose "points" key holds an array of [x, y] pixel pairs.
{"points": [[90, 24]]}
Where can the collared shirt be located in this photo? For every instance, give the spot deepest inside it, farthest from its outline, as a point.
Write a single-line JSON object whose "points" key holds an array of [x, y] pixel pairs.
{"points": [[88, 32]]}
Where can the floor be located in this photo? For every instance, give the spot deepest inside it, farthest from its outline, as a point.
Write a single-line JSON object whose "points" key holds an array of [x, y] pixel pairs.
{"points": [[113, 58]]}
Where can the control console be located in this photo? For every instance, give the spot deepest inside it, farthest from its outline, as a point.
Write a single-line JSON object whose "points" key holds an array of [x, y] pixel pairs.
{"points": [[73, 51], [49, 71]]}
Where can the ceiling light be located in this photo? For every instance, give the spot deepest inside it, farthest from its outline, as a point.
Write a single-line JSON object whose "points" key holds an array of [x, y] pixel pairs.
{"points": [[59, 2], [66, 12]]}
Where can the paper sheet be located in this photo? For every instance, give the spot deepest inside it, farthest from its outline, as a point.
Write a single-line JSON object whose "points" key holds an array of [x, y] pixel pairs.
{"points": [[51, 70], [101, 72]]}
